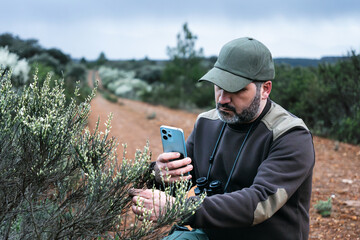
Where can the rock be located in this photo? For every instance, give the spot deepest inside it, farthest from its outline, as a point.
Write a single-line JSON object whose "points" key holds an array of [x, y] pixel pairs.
{"points": [[352, 203]]}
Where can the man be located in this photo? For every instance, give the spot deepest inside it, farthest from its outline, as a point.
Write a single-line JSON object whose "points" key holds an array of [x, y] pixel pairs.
{"points": [[261, 155]]}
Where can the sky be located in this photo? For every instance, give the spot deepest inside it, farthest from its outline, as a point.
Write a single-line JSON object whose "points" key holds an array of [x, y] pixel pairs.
{"points": [[135, 29]]}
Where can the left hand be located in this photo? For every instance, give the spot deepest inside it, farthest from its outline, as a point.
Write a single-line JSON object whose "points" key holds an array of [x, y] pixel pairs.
{"points": [[149, 200]]}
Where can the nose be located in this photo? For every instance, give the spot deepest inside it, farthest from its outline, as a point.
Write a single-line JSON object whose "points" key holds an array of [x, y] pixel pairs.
{"points": [[224, 97]]}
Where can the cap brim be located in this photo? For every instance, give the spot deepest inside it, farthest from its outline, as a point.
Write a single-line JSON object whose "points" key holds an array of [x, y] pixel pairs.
{"points": [[225, 80]]}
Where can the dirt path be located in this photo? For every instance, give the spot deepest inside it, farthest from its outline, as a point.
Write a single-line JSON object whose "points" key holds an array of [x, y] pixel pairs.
{"points": [[135, 122], [337, 169]]}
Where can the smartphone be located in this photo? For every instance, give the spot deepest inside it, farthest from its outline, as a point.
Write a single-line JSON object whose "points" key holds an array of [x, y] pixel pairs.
{"points": [[173, 140]]}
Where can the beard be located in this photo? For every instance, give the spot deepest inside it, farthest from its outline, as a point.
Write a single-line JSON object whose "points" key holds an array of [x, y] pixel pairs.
{"points": [[247, 115]]}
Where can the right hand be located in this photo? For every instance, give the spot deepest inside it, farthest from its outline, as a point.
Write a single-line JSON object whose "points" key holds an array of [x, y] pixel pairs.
{"points": [[176, 169]]}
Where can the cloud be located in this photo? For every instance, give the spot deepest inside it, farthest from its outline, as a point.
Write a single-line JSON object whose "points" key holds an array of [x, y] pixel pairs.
{"points": [[135, 29]]}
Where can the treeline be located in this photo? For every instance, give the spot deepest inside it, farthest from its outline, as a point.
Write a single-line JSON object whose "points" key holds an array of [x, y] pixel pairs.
{"points": [[326, 97], [25, 56]]}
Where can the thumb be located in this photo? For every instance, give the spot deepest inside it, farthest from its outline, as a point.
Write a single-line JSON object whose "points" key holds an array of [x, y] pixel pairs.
{"points": [[134, 192]]}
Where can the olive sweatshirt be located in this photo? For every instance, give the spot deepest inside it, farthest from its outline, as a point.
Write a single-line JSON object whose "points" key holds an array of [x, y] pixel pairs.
{"points": [[268, 194]]}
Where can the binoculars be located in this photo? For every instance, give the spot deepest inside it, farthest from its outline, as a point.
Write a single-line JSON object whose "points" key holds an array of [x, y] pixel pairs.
{"points": [[212, 188]]}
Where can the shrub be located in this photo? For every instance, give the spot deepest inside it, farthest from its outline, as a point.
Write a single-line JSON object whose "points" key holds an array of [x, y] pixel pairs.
{"points": [[123, 83], [47, 60], [59, 180], [20, 68], [150, 73], [76, 76], [326, 97]]}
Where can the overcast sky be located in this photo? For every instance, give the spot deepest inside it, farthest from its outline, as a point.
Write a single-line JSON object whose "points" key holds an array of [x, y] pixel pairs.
{"points": [[134, 29]]}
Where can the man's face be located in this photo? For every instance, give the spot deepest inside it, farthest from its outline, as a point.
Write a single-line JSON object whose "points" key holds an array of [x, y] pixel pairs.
{"points": [[239, 107]]}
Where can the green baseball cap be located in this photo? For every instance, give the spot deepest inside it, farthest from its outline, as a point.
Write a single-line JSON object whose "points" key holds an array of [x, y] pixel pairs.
{"points": [[240, 62]]}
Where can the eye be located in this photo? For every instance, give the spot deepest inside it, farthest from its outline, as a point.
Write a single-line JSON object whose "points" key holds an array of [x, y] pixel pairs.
{"points": [[242, 90]]}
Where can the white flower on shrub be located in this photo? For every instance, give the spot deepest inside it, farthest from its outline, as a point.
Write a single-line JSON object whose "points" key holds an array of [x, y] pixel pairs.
{"points": [[123, 90], [122, 83], [20, 68]]}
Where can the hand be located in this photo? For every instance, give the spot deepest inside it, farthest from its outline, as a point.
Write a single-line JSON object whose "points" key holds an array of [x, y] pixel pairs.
{"points": [[148, 200], [174, 170]]}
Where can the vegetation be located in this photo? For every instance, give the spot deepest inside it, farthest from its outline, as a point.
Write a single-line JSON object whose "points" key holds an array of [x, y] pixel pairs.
{"points": [[325, 93], [31, 57], [177, 86], [326, 97], [20, 68], [59, 180], [122, 83], [324, 208]]}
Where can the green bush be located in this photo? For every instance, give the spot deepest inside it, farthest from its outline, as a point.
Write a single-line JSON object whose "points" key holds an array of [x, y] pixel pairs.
{"points": [[24, 57], [76, 76], [326, 97], [47, 60], [123, 83], [341, 98], [60, 181], [19, 67], [150, 73]]}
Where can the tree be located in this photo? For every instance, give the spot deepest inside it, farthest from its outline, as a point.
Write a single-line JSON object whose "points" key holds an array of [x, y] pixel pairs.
{"points": [[59, 55], [185, 47], [101, 59], [326, 97], [178, 86], [60, 181], [23, 48], [339, 92]]}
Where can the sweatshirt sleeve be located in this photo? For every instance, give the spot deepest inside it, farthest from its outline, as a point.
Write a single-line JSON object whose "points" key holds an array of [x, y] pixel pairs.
{"points": [[288, 164]]}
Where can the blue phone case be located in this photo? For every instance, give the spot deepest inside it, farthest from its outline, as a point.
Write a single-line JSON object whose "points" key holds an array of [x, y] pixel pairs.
{"points": [[173, 140]]}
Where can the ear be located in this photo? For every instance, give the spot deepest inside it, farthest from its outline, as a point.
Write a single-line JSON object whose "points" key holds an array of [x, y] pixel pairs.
{"points": [[266, 89]]}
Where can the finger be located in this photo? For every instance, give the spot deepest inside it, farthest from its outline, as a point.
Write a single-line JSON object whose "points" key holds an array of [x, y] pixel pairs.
{"points": [[137, 210], [144, 194], [145, 208], [136, 200], [180, 178], [142, 205], [134, 191], [178, 163], [140, 213], [180, 171], [165, 157], [167, 174]]}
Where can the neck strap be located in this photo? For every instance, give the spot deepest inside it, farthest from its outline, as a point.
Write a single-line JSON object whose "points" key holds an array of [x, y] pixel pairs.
{"points": [[211, 160]]}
